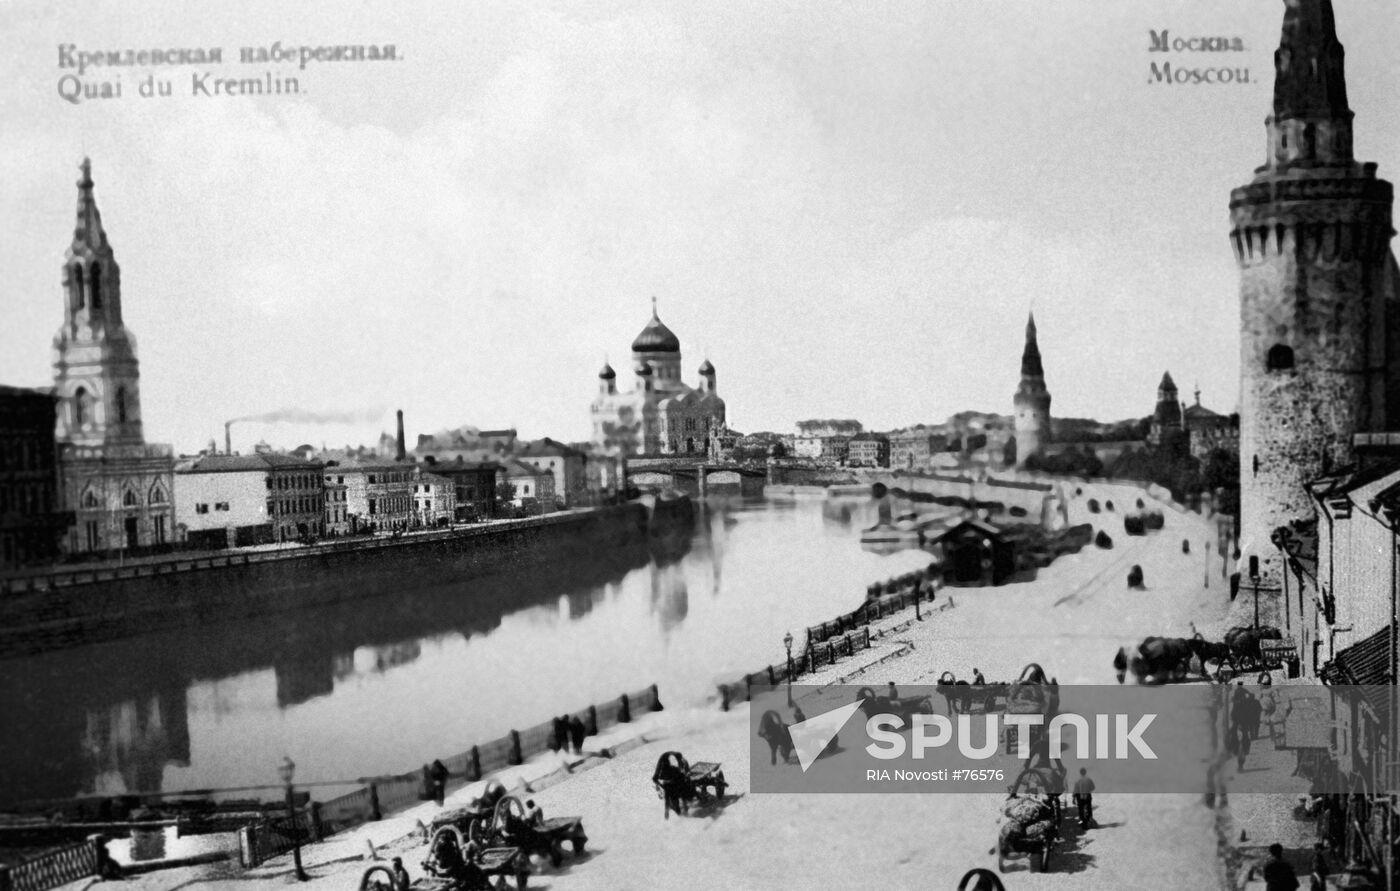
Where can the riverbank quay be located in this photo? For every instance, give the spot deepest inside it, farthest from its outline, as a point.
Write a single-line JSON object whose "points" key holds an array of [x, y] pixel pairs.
{"points": [[66, 608], [899, 841]]}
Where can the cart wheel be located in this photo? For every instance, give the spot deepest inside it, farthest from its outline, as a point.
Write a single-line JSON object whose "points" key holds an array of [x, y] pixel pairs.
{"points": [[720, 786], [1001, 857], [556, 855], [578, 845]]}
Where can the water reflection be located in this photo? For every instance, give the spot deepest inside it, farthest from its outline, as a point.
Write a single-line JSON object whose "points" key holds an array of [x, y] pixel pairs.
{"points": [[424, 670]]}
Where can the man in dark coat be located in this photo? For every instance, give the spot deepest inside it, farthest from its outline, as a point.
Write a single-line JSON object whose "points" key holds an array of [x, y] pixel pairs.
{"points": [[576, 734], [438, 774], [1278, 873]]}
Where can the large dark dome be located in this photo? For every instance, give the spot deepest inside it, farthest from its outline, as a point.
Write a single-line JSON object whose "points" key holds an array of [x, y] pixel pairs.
{"points": [[656, 338]]}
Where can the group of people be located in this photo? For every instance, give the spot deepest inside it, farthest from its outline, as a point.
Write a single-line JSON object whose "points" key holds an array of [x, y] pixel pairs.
{"points": [[568, 734]]}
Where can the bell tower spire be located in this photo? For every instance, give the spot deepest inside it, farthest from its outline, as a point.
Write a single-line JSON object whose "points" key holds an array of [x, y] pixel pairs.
{"points": [[1032, 399], [95, 371], [1311, 120]]}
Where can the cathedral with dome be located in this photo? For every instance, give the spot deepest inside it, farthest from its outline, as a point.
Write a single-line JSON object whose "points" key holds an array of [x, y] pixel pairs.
{"points": [[661, 414]]}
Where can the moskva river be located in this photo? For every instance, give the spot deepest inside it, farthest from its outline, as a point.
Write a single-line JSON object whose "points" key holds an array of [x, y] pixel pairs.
{"points": [[399, 677]]}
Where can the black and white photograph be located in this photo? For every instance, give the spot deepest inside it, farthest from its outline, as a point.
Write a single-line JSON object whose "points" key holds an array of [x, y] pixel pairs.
{"points": [[586, 445]]}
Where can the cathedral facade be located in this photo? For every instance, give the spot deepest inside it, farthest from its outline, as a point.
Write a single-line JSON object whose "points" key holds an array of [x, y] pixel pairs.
{"points": [[661, 415], [118, 485]]}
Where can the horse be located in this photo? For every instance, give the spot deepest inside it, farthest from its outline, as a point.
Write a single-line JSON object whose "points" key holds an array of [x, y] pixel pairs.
{"points": [[775, 732]]}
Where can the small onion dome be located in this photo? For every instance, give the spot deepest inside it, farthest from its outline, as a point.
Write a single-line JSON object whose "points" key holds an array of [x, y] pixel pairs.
{"points": [[706, 367], [607, 373], [656, 338], [644, 369]]}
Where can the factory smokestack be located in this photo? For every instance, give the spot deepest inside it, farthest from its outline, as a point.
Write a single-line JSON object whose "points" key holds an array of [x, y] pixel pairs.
{"points": [[228, 438], [402, 453]]}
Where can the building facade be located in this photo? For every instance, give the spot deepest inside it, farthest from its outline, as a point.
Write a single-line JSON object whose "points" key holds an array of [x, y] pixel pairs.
{"points": [[530, 484], [378, 492], [1032, 400], [1209, 431], [250, 498], [434, 499], [474, 485], [915, 447], [33, 523], [661, 415], [1319, 340], [118, 485], [337, 518], [868, 450], [567, 465]]}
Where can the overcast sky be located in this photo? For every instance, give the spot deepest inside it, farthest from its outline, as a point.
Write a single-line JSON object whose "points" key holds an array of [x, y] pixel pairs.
{"points": [[849, 207]]}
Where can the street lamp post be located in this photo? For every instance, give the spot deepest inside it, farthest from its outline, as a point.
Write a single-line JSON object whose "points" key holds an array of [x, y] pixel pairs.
{"points": [[1207, 565], [286, 770], [787, 643]]}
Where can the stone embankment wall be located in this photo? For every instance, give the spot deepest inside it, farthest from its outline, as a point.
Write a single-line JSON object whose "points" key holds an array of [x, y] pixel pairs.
{"points": [[70, 608]]}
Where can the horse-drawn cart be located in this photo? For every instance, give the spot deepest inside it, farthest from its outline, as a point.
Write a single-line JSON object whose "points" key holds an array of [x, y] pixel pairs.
{"points": [[511, 826], [455, 865], [904, 706], [681, 784], [971, 699]]}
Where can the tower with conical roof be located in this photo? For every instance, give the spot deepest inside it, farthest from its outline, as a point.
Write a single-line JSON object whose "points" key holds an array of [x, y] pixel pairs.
{"points": [[1166, 429], [119, 485], [1032, 400], [1319, 336], [95, 372]]}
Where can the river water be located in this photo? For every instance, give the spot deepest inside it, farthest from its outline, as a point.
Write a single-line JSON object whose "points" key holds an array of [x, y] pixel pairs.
{"points": [[399, 677]]}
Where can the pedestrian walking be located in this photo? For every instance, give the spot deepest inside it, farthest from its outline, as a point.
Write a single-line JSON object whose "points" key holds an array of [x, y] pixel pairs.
{"points": [[401, 875], [576, 734], [438, 773], [1278, 873], [1319, 868], [1084, 798]]}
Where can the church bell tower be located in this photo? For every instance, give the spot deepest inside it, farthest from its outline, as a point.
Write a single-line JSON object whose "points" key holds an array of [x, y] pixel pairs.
{"points": [[1032, 400], [95, 373]]}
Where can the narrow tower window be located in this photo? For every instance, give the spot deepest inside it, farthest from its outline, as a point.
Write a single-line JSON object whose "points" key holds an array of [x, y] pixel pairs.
{"points": [[121, 405], [75, 282], [95, 275], [1280, 357], [80, 407]]}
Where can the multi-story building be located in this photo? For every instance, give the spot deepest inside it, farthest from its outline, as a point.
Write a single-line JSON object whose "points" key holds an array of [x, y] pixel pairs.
{"points": [[32, 521], [250, 499], [118, 485], [869, 450], [337, 519], [474, 484], [378, 492], [530, 483], [434, 499], [1319, 336], [1210, 432], [568, 465], [915, 447]]}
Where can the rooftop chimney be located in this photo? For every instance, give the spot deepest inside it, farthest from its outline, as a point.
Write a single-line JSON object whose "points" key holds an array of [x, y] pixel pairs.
{"points": [[402, 453]]}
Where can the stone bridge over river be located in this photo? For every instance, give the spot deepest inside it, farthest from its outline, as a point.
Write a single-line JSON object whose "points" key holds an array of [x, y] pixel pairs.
{"points": [[695, 479]]}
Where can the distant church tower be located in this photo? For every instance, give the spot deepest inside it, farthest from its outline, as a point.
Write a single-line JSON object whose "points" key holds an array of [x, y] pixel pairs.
{"points": [[1319, 340], [119, 486], [1166, 430], [95, 372], [1032, 400]]}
